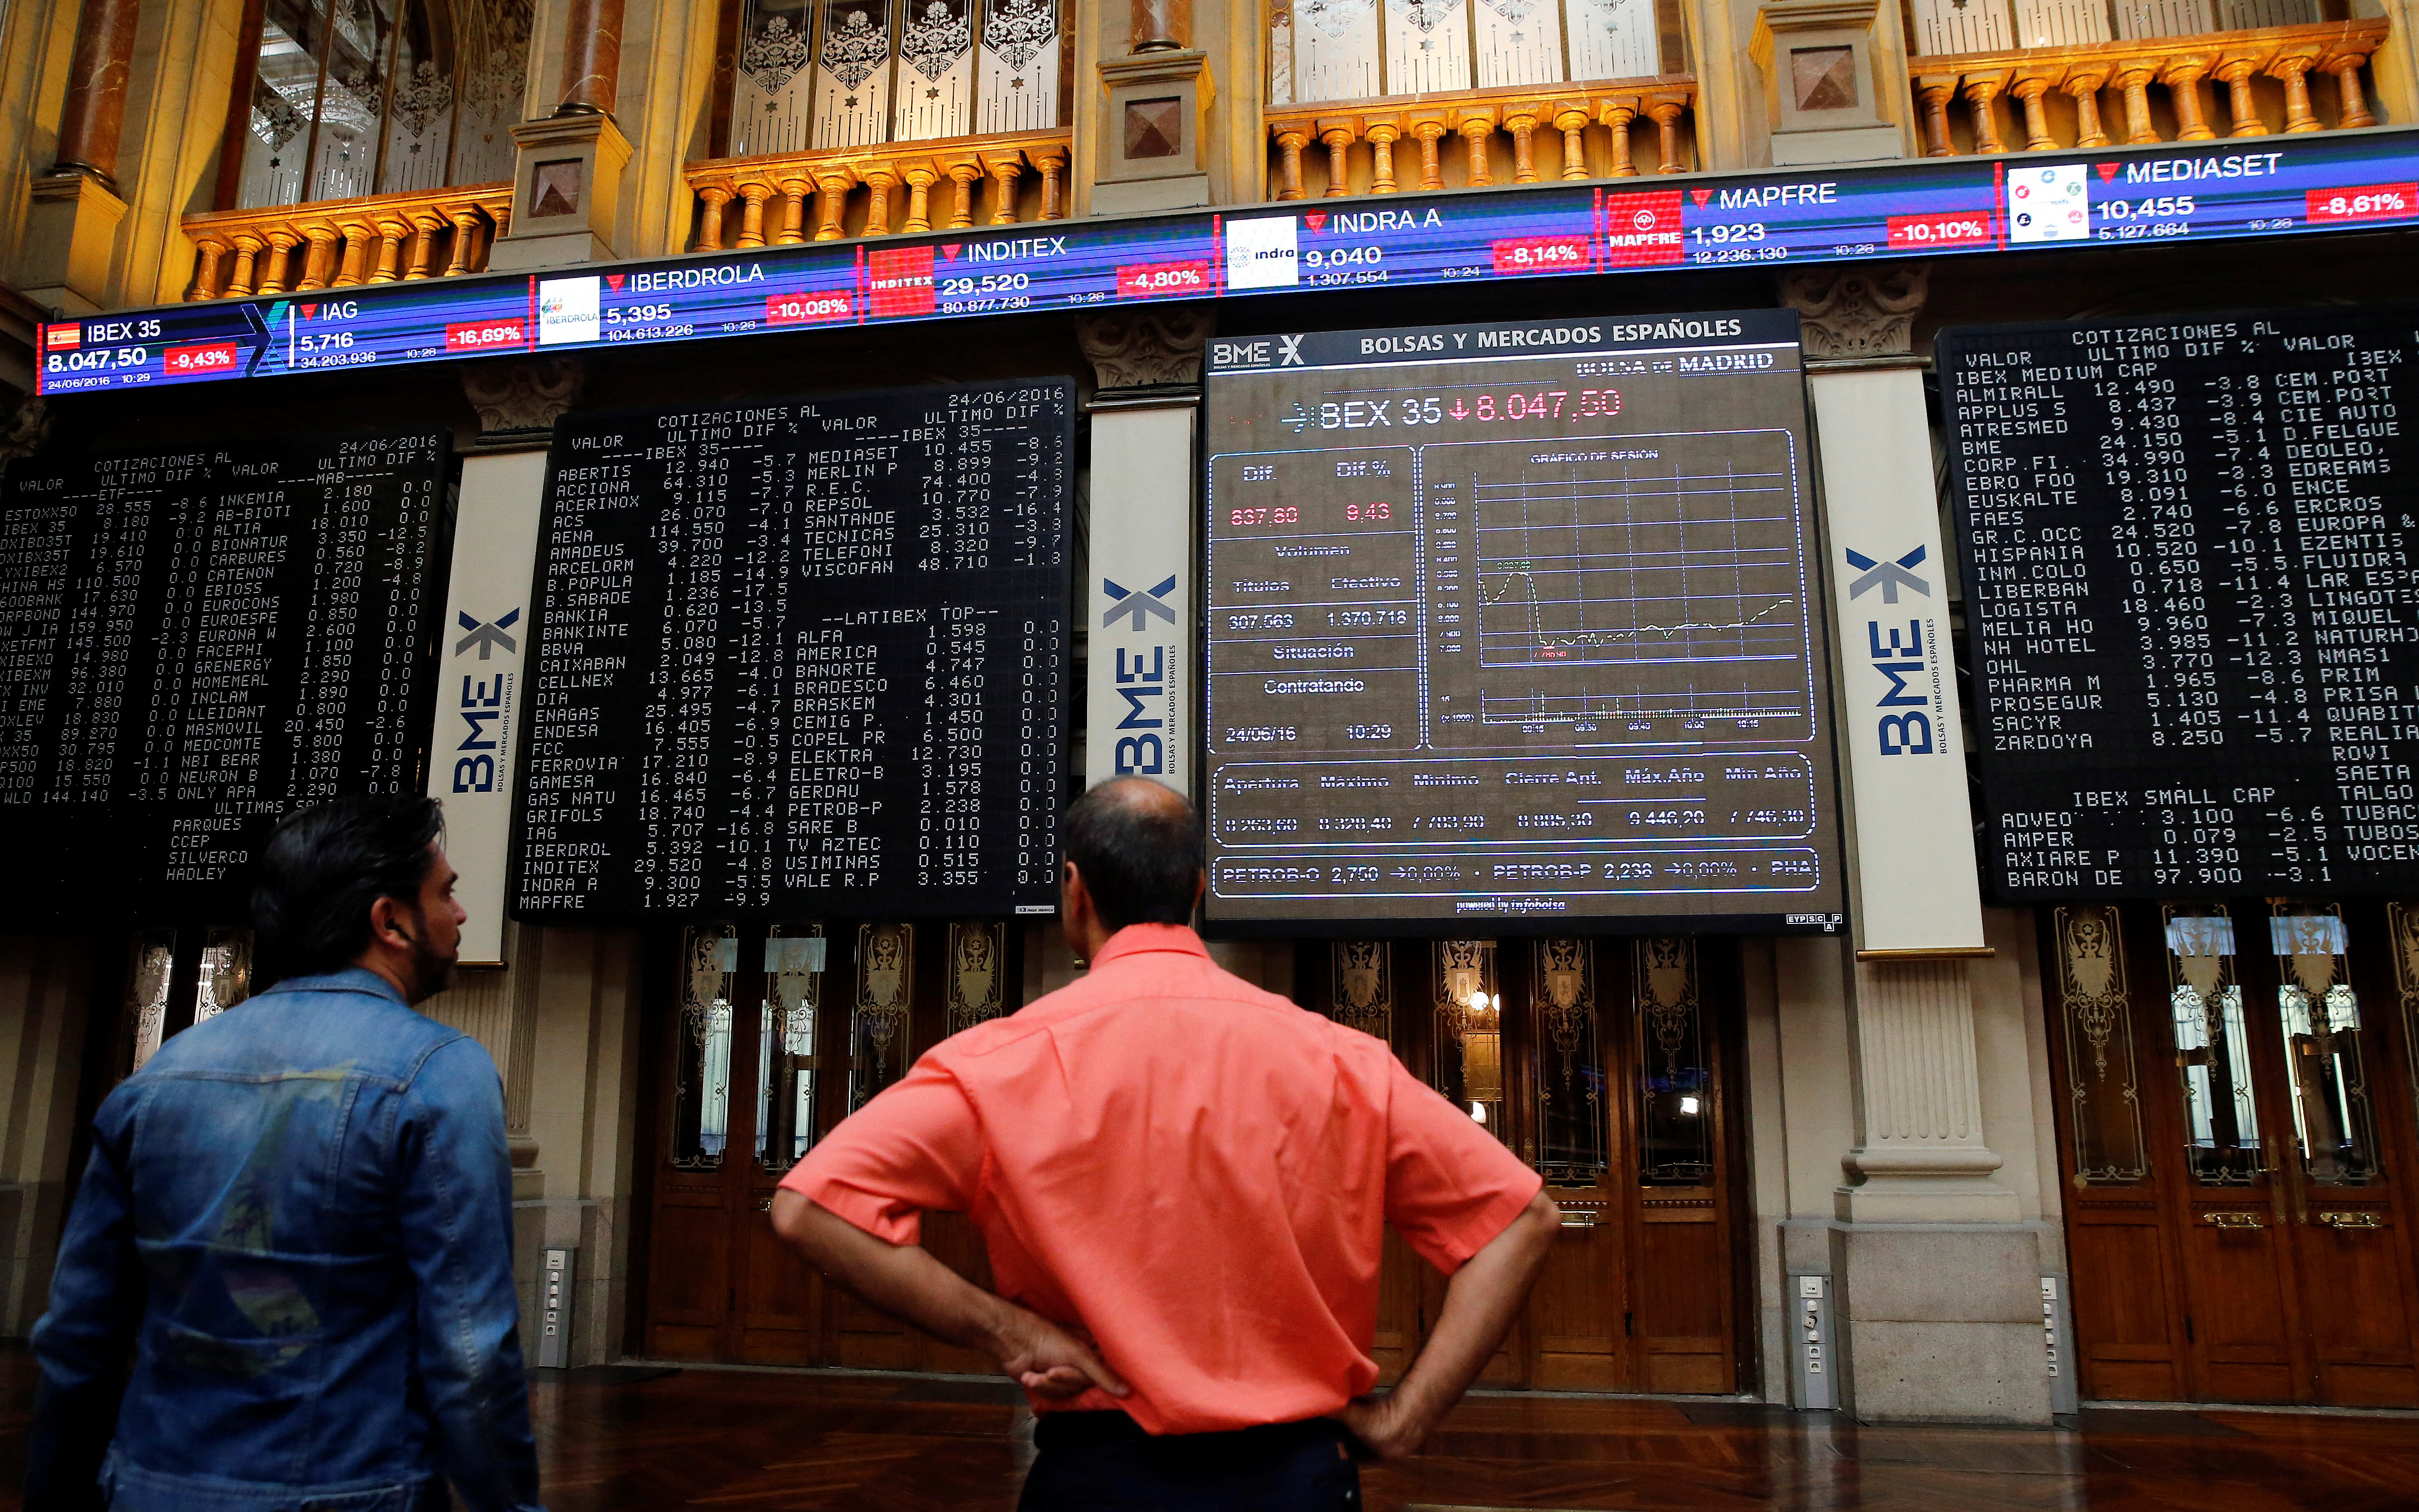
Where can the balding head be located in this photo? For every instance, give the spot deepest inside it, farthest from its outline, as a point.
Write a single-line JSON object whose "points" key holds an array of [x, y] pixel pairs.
{"points": [[1137, 845]]}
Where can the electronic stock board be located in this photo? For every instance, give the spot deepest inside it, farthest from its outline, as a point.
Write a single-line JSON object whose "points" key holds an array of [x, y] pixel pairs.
{"points": [[2190, 193], [801, 656], [194, 643], [2191, 559], [1517, 627]]}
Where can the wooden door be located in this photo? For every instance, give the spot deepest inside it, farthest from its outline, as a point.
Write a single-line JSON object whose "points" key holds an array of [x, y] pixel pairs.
{"points": [[766, 1036], [1580, 1333], [2339, 1071], [703, 1186], [1603, 1063], [2235, 1108], [1683, 1159], [779, 1299]]}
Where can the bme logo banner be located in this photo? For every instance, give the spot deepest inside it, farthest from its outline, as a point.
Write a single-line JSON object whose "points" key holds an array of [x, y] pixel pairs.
{"points": [[472, 763], [1917, 890], [1140, 700]]}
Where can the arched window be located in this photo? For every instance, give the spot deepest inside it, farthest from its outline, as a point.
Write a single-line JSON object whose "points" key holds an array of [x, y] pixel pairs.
{"points": [[846, 73], [349, 98]]}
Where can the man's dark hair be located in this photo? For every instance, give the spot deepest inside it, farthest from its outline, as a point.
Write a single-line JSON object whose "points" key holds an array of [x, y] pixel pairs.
{"points": [[324, 867], [1138, 846]]}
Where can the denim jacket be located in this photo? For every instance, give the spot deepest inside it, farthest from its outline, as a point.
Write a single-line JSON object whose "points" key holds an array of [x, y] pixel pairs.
{"points": [[286, 1281]]}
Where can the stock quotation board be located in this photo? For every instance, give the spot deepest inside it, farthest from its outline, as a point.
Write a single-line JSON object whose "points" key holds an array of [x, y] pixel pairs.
{"points": [[2188, 556], [802, 656], [194, 643], [1517, 626], [2183, 191]]}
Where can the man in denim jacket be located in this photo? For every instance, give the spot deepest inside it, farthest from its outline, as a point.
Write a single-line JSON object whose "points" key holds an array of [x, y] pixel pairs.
{"points": [[286, 1281]]}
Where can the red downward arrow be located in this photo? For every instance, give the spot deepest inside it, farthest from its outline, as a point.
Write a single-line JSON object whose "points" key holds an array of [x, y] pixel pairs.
{"points": [[308, 310], [950, 252], [1701, 195], [1317, 220], [614, 280], [2107, 171]]}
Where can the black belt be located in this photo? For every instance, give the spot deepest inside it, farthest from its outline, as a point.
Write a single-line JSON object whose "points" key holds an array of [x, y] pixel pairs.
{"points": [[1267, 1442]]}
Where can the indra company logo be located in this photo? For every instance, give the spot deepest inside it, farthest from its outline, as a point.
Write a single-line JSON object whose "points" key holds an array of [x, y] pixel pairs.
{"points": [[1265, 253]]}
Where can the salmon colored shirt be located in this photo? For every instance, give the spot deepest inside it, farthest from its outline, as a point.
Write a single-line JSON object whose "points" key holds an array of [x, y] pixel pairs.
{"points": [[1196, 1172]]}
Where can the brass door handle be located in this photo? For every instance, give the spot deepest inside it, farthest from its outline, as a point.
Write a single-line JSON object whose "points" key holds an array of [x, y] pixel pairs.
{"points": [[2235, 1220], [2358, 1219], [764, 1204], [1579, 1217]]}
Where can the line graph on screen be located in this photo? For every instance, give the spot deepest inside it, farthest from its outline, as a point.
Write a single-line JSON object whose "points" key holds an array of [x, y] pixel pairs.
{"points": [[1639, 579]]}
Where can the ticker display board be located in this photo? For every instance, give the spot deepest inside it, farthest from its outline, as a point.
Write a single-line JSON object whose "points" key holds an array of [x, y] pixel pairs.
{"points": [[2187, 546], [1517, 627], [801, 656], [194, 643], [2283, 186]]}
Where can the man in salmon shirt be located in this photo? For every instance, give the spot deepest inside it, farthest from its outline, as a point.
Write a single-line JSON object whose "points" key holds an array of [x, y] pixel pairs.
{"points": [[1183, 1182]]}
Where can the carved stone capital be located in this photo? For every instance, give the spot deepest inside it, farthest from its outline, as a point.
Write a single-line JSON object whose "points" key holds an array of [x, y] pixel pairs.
{"points": [[1145, 349], [1854, 313], [522, 395], [24, 429]]}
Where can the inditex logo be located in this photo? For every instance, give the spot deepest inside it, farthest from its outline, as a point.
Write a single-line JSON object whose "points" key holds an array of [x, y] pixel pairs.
{"points": [[899, 281], [1264, 253]]}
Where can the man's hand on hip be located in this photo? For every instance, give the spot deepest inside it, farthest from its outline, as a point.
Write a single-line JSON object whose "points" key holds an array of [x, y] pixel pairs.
{"points": [[908, 1283], [1480, 1302], [1377, 1425], [1050, 1360]]}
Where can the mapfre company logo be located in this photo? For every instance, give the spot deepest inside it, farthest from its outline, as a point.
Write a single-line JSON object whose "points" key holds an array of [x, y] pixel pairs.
{"points": [[1643, 230]]}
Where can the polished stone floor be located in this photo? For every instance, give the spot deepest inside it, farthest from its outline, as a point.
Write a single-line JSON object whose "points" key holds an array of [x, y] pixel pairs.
{"points": [[624, 1438]]}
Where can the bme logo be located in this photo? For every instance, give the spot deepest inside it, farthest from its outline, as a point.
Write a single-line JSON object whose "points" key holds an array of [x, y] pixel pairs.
{"points": [[1902, 735], [1142, 755], [1899, 655], [487, 703]]}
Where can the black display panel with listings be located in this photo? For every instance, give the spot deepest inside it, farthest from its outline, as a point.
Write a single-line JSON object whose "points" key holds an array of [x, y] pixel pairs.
{"points": [[801, 656], [1516, 629], [2195, 618], [194, 643]]}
